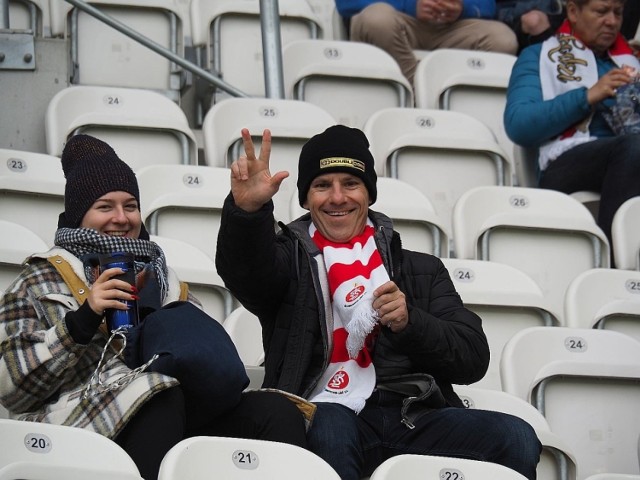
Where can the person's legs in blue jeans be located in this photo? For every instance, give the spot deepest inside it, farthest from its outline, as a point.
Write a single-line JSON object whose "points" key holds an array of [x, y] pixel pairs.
{"points": [[334, 437], [456, 432]]}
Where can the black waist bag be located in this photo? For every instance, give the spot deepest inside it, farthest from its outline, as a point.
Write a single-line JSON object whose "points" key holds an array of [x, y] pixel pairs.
{"points": [[421, 391]]}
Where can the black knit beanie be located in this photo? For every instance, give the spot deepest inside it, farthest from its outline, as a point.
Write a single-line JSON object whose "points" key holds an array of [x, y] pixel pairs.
{"points": [[337, 149], [92, 169]]}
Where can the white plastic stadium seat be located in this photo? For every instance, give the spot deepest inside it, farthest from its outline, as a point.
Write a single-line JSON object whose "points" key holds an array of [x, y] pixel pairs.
{"points": [[30, 15], [414, 217], [625, 235], [17, 242], [43, 451], [246, 332], [291, 123], [332, 23], [199, 270], [32, 191], [548, 235], [506, 299], [143, 127], [442, 153], [351, 80], [605, 298], [101, 55], [468, 81], [557, 462], [419, 467], [184, 202], [586, 382], [244, 329], [202, 458], [228, 33]]}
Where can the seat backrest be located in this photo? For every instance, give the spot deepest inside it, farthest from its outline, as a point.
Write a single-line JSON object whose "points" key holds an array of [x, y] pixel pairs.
{"points": [[351, 80], [198, 269], [229, 31], [548, 235], [526, 168], [142, 126], [30, 15], [606, 298], [415, 467], [200, 458], [17, 242], [586, 382], [291, 123], [441, 153], [556, 461], [470, 81], [46, 451], [184, 202], [506, 299], [413, 215], [32, 191], [101, 55], [333, 25], [625, 235], [246, 332]]}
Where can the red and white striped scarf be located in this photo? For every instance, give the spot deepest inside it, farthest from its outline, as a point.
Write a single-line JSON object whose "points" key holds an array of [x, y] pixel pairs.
{"points": [[354, 271], [566, 64]]}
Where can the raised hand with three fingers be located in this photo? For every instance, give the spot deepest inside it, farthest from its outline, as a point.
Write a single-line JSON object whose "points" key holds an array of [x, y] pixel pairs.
{"points": [[252, 184]]}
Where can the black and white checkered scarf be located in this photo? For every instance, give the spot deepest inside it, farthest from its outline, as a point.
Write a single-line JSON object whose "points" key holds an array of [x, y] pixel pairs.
{"points": [[82, 242]]}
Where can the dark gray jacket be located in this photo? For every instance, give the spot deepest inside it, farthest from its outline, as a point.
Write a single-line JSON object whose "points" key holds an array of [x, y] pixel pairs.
{"points": [[275, 276]]}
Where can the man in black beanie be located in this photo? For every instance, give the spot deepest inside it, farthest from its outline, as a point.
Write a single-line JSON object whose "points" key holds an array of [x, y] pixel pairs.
{"points": [[373, 334]]}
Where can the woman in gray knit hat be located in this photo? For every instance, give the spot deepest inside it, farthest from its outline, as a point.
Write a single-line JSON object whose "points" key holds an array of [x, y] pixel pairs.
{"points": [[52, 337]]}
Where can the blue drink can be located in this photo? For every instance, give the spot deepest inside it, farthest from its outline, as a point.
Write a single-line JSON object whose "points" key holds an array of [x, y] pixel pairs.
{"points": [[121, 318]]}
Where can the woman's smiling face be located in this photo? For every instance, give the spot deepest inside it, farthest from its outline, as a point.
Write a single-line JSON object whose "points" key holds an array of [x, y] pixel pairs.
{"points": [[115, 214]]}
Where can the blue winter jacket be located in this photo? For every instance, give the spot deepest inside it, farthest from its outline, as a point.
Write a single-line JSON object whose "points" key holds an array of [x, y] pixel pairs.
{"points": [[471, 8], [529, 121]]}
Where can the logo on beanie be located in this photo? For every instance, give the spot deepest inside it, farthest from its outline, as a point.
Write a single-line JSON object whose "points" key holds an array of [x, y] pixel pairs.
{"points": [[333, 162]]}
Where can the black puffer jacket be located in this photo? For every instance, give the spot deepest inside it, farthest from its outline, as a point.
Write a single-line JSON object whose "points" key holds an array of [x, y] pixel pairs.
{"points": [[276, 278]]}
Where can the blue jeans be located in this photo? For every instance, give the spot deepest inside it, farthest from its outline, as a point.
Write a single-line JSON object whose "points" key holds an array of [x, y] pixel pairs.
{"points": [[354, 445]]}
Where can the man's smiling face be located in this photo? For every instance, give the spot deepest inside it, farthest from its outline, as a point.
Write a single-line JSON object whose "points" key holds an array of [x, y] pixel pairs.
{"points": [[339, 203]]}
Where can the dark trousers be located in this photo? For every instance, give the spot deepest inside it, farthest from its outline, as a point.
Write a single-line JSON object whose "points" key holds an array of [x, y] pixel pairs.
{"points": [[160, 424], [354, 445], [609, 165]]}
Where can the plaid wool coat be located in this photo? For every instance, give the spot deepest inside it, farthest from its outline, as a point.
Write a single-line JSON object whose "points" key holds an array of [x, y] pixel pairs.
{"points": [[43, 372]]}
